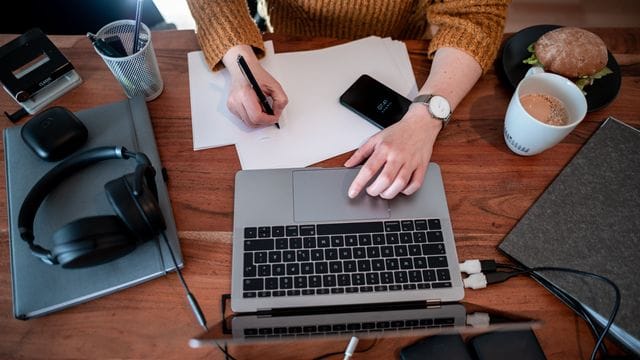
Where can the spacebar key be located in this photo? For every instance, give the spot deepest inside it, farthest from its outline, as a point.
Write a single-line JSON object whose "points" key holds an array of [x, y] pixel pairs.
{"points": [[350, 228]]}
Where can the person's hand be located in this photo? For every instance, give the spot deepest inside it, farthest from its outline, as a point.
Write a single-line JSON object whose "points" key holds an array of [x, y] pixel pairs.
{"points": [[402, 151], [243, 101]]}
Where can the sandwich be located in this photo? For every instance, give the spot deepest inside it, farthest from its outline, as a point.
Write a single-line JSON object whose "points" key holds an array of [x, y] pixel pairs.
{"points": [[572, 52]]}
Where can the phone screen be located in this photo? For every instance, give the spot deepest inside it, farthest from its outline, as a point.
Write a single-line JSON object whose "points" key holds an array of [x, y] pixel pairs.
{"points": [[375, 102]]}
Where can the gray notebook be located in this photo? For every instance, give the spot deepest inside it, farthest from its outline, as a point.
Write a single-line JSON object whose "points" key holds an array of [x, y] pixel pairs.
{"points": [[589, 219], [39, 288]]}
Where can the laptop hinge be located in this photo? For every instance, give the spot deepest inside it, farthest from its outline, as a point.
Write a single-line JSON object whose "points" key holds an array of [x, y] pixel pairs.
{"points": [[433, 303]]}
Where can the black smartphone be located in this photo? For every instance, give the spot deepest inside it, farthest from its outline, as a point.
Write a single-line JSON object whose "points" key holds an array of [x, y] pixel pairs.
{"points": [[375, 102]]}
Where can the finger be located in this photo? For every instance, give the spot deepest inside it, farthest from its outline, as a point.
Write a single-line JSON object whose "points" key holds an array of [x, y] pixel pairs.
{"points": [[365, 174], [361, 154], [255, 113], [416, 180], [385, 178], [279, 99], [398, 184]]}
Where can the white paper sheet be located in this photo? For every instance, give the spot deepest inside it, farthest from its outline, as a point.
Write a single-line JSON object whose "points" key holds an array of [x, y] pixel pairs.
{"points": [[313, 126]]}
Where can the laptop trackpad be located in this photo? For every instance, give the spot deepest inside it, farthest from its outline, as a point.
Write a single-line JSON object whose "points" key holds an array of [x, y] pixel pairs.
{"points": [[321, 195]]}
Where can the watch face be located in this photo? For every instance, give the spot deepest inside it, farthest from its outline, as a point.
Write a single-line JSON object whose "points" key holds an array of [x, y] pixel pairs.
{"points": [[439, 107]]}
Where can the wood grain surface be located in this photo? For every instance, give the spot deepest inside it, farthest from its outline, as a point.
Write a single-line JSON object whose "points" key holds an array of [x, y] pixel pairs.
{"points": [[488, 190]]}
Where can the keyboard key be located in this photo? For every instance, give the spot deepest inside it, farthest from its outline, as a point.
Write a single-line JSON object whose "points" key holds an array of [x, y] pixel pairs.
{"points": [[377, 264], [395, 287], [373, 252], [377, 239], [271, 283], [440, 285], [406, 238], [351, 240], [344, 280], [295, 243], [322, 291], [392, 226], [275, 256], [421, 224], [434, 236], [307, 230], [345, 253], [317, 255], [324, 241], [443, 275], [407, 225], [288, 256], [264, 270], [260, 257], [420, 262], [337, 240], [264, 293], [277, 231], [386, 277], [434, 224], [248, 295], [364, 265], [308, 292], [331, 254], [419, 237], [352, 289], [415, 276], [406, 263], [423, 286], [264, 232], [396, 324], [306, 268], [372, 278], [250, 232], [392, 238], [258, 245], [392, 264], [400, 250], [350, 266], [386, 251], [250, 271], [282, 243], [286, 282], [428, 275], [329, 281], [265, 331], [315, 281], [291, 230], [349, 228], [309, 242], [293, 269], [366, 289], [337, 290], [437, 261], [401, 277], [364, 240], [278, 293], [412, 323], [414, 250], [300, 282], [433, 249], [322, 267], [357, 279], [252, 284], [335, 267], [302, 255], [368, 325], [354, 326], [409, 286], [380, 288], [277, 269], [359, 253]]}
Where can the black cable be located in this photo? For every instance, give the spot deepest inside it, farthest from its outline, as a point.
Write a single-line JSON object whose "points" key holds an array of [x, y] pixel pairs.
{"points": [[533, 272]]}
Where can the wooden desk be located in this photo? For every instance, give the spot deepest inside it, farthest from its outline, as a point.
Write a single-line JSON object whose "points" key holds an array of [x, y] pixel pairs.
{"points": [[488, 190]]}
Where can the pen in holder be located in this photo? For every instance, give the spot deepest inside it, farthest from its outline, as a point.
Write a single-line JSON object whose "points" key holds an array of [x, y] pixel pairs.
{"points": [[138, 73]]}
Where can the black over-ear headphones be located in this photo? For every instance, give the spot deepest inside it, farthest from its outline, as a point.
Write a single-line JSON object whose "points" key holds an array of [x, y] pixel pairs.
{"points": [[98, 239]]}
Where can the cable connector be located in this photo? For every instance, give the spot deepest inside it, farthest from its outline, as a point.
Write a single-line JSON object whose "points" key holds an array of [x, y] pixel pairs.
{"points": [[500, 276], [475, 281], [475, 266], [351, 348]]}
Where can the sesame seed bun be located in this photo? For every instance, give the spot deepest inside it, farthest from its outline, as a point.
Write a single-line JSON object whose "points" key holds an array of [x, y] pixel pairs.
{"points": [[571, 52]]}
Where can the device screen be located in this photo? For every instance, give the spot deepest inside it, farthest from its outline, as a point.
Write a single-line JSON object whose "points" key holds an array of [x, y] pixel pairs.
{"points": [[375, 102]]}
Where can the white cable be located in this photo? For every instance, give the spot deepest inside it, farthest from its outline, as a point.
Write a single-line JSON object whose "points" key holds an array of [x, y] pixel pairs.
{"points": [[471, 267], [351, 348], [475, 281]]}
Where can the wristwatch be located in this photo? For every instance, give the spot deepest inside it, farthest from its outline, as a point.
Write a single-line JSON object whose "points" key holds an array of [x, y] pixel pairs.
{"points": [[437, 105]]}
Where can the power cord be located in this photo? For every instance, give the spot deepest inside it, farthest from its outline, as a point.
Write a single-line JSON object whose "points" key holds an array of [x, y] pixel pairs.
{"points": [[477, 279]]}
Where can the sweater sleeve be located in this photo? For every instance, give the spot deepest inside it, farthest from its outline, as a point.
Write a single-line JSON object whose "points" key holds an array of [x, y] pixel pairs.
{"points": [[474, 26], [223, 24]]}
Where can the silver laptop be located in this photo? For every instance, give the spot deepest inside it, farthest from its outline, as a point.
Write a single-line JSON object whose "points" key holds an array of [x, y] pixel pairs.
{"points": [[299, 241]]}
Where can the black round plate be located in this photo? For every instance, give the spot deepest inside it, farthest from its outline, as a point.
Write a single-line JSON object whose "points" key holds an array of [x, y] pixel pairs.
{"points": [[600, 94]]}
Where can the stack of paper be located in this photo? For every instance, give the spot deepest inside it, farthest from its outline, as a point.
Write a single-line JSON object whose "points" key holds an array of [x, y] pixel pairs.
{"points": [[314, 126]]}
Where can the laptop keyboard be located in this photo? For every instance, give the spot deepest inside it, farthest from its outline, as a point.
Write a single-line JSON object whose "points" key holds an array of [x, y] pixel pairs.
{"points": [[344, 258]]}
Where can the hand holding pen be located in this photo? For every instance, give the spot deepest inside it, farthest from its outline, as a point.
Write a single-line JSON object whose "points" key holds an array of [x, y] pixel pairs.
{"points": [[250, 90]]}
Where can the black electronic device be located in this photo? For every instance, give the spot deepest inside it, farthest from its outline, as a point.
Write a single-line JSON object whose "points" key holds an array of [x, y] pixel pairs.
{"points": [[34, 72], [54, 133], [375, 102], [98, 239], [506, 345], [437, 347]]}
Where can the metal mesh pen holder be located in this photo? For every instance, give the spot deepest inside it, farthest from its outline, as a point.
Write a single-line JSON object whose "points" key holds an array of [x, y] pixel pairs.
{"points": [[138, 73]]}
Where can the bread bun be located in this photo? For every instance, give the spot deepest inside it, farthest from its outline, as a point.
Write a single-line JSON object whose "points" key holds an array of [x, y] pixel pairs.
{"points": [[571, 52]]}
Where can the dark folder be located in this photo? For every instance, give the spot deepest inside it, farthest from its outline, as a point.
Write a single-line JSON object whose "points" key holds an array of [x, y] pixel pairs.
{"points": [[589, 219], [38, 288]]}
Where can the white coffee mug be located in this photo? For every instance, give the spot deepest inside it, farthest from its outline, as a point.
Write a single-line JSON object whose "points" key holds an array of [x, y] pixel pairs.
{"points": [[527, 136]]}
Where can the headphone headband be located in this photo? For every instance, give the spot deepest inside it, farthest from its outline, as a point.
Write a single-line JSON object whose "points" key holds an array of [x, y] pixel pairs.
{"points": [[59, 173]]}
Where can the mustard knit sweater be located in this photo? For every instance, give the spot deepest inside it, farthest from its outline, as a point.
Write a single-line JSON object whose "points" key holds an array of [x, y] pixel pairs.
{"points": [[475, 26]]}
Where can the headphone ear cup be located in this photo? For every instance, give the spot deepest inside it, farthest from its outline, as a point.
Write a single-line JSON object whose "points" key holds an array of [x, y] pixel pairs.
{"points": [[140, 213], [92, 241]]}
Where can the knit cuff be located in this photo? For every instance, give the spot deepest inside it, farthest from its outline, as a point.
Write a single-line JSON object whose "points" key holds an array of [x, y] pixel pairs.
{"points": [[481, 46], [223, 27]]}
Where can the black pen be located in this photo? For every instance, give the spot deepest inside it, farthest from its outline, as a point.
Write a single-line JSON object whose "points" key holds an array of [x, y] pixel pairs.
{"points": [[103, 47], [254, 85]]}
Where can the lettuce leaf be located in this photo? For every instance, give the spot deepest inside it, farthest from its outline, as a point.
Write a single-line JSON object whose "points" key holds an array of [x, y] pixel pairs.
{"points": [[532, 60]]}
